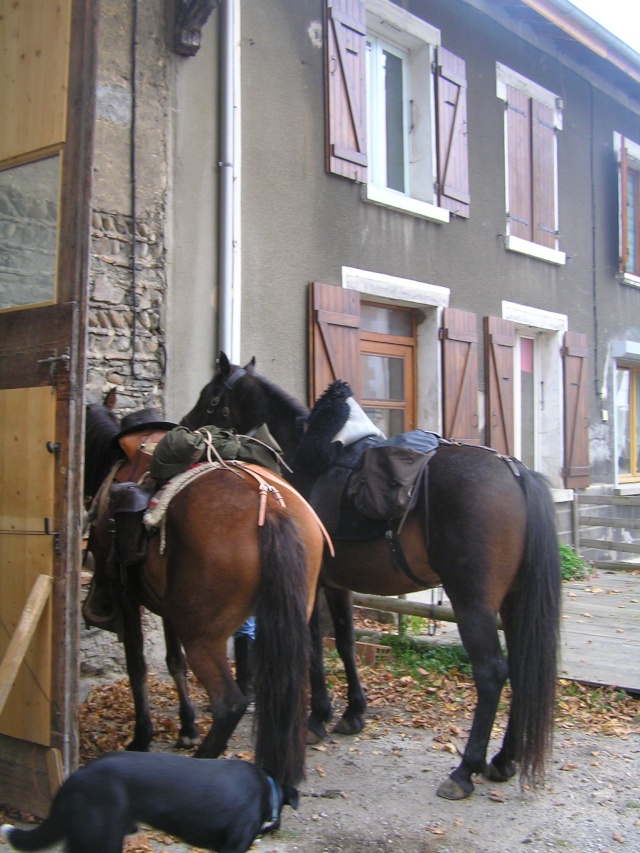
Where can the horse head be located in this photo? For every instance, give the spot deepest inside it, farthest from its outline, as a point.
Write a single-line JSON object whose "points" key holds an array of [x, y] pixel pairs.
{"points": [[221, 402]]}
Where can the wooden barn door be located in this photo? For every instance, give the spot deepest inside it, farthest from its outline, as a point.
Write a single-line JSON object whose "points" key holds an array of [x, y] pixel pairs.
{"points": [[47, 82]]}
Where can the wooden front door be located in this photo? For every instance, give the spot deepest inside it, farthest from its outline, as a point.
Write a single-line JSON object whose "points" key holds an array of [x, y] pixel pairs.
{"points": [[47, 83]]}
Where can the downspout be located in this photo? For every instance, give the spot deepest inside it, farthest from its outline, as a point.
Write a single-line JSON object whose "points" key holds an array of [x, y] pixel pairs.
{"points": [[226, 166]]}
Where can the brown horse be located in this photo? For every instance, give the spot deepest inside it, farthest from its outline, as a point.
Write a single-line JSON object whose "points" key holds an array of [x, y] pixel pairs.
{"points": [[484, 529], [220, 559]]}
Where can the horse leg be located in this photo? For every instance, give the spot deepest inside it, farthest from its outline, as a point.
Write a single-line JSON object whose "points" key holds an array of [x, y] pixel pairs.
{"points": [[209, 662], [137, 671], [479, 635], [340, 603], [321, 709], [177, 666], [502, 766]]}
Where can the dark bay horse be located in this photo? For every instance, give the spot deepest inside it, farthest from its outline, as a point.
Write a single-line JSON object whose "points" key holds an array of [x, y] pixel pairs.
{"points": [[221, 563], [489, 539]]}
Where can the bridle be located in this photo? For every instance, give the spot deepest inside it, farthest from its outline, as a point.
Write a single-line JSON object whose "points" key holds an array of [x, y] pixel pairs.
{"points": [[221, 399]]}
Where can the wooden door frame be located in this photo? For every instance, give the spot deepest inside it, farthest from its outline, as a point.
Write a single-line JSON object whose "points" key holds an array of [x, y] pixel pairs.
{"points": [[30, 772]]}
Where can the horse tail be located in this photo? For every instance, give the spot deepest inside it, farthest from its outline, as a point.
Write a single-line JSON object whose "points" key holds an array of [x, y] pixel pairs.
{"points": [[281, 651], [534, 634]]}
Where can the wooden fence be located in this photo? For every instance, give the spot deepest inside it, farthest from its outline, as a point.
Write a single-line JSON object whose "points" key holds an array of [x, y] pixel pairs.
{"points": [[596, 532]]}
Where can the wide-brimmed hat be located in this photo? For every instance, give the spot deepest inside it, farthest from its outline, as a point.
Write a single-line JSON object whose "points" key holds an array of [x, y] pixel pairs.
{"points": [[137, 421]]}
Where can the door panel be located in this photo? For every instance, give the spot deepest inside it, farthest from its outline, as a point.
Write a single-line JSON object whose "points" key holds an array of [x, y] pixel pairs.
{"points": [[27, 422]]}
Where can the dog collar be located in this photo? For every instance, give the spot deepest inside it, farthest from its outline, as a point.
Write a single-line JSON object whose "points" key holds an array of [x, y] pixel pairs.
{"points": [[275, 803]]}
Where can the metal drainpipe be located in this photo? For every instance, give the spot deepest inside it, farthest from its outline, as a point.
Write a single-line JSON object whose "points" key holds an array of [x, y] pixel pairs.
{"points": [[226, 165]]}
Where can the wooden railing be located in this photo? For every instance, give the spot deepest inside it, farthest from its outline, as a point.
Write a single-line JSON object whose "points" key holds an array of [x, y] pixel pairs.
{"points": [[584, 522]]}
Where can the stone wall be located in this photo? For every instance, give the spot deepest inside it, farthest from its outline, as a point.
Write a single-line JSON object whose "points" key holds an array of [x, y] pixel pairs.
{"points": [[126, 324], [125, 346]]}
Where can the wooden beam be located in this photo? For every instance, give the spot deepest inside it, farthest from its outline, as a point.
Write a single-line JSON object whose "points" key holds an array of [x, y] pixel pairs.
{"points": [[22, 635], [438, 612]]}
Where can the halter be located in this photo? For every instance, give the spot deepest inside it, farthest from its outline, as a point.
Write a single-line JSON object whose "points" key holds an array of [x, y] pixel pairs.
{"points": [[219, 398]]}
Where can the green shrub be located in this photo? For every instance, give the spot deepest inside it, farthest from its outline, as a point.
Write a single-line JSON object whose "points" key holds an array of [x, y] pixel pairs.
{"points": [[572, 565]]}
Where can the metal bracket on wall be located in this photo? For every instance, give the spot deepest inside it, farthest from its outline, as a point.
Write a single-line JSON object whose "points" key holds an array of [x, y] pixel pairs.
{"points": [[189, 18], [52, 361]]}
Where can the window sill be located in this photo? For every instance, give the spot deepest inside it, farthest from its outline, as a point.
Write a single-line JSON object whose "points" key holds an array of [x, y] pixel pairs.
{"points": [[630, 279], [627, 489], [562, 495], [534, 250], [406, 204]]}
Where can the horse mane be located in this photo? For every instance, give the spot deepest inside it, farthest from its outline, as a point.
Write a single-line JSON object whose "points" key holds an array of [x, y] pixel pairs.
{"points": [[274, 401]]}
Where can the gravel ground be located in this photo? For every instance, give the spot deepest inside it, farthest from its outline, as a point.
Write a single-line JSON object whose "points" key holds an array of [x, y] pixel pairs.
{"points": [[376, 792]]}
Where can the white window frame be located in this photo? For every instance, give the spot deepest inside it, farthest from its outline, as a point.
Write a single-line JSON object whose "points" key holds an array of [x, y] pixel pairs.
{"points": [[548, 329], [624, 354], [517, 396], [430, 300], [417, 40], [507, 77], [633, 154]]}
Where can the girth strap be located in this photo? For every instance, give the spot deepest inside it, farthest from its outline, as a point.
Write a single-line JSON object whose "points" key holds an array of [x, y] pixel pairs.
{"points": [[398, 558]]}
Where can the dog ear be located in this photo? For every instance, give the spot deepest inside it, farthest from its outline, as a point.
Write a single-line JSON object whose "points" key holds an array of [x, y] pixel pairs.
{"points": [[290, 796]]}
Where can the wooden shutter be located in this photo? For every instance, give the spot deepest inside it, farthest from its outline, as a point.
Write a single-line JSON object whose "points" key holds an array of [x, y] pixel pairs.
{"points": [[345, 89], [544, 175], [334, 338], [459, 337], [519, 163], [453, 159], [623, 202], [576, 436], [499, 343]]}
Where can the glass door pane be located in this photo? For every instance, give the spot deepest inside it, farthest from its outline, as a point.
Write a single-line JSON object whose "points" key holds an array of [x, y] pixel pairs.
{"points": [[622, 420], [527, 403]]}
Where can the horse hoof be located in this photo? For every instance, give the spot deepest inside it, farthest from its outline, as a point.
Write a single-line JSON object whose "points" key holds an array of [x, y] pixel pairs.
{"points": [[314, 737], [343, 727], [450, 790], [186, 742], [134, 746], [496, 774]]}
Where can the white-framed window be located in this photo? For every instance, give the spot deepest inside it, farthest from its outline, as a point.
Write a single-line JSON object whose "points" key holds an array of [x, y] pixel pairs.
{"points": [[626, 383], [533, 118], [396, 111], [628, 157]]}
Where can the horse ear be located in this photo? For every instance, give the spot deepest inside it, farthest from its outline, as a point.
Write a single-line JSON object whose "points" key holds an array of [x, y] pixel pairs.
{"points": [[223, 362], [110, 399], [250, 366]]}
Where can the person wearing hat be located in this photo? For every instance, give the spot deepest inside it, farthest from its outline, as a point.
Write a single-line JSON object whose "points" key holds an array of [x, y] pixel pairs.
{"points": [[143, 420]]}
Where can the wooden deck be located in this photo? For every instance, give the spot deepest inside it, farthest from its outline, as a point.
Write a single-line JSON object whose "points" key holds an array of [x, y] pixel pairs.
{"points": [[601, 630]]}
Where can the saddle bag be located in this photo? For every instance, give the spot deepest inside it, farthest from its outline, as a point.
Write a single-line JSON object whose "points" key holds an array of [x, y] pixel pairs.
{"points": [[384, 484], [181, 448]]}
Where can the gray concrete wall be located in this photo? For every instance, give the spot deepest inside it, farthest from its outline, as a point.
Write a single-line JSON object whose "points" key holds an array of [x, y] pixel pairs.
{"points": [[301, 224]]}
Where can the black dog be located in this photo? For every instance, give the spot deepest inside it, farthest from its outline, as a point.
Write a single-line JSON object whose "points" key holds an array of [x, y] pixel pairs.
{"points": [[217, 804]]}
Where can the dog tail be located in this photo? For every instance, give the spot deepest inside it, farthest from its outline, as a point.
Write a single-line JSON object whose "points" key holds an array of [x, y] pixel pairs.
{"points": [[282, 651], [38, 838]]}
